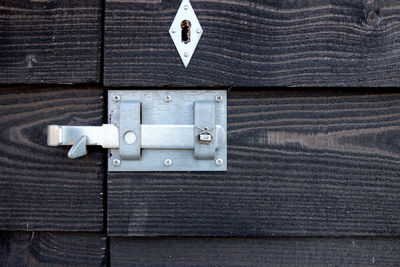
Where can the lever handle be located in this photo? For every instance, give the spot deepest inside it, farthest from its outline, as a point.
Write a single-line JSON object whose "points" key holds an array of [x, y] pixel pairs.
{"points": [[79, 148]]}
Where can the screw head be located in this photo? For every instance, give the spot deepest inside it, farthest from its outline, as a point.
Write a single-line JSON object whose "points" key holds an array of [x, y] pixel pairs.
{"points": [[186, 7], [168, 163], [116, 98], [173, 30], [219, 98], [198, 30], [168, 98], [186, 54], [116, 162], [219, 162]]}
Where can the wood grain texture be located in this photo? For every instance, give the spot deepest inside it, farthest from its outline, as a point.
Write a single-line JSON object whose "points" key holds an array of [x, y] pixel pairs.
{"points": [[43, 41], [255, 252], [52, 249], [40, 188], [256, 43], [299, 164]]}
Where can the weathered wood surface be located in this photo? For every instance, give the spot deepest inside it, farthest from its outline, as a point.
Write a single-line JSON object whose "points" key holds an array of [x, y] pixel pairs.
{"points": [[50, 41], [254, 252], [40, 188], [299, 164], [256, 43], [52, 249]]}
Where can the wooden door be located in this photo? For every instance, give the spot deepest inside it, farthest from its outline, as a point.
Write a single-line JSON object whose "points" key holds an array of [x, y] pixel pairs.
{"points": [[313, 176]]}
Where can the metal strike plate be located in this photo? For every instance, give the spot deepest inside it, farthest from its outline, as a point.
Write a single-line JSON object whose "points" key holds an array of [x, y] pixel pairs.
{"points": [[168, 130]]}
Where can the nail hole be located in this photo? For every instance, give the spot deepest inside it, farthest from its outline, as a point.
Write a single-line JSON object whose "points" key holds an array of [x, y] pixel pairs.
{"points": [[185, 25]]}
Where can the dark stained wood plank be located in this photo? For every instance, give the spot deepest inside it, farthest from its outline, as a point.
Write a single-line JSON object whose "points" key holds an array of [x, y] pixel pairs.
{"points": [[299, 164], [52, 249], [255, 252], [50, 41], [40, 188], [256, 43]]}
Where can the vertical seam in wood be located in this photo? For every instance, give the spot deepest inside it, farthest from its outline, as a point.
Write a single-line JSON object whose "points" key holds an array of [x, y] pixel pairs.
{"points": [[105, 169]]}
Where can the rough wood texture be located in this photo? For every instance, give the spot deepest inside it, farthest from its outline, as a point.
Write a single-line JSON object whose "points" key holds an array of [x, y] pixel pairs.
{"points": [[255, 252], [256, 43], [45, 41], [40, 188], [302, 164], [52, 249]]}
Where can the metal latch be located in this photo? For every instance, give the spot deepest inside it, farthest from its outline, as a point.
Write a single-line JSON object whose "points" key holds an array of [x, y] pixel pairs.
{"points": [[167, 130]]}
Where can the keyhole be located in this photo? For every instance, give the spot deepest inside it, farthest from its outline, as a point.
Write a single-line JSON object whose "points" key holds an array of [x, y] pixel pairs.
{"points": [[185, 25]]}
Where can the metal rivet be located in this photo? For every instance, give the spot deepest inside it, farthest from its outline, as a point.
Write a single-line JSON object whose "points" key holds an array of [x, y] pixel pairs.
{"points": [[186, 7], [219, 98], [198, 30], [219, 162], [186, 54], [168, 98], [130, 137], [116, 98], [116, 162], [173, 30], [167, 163]]}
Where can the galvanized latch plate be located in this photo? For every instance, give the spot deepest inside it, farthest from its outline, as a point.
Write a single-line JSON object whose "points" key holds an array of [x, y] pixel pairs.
{"points": [[168, 130], [180, 130]]}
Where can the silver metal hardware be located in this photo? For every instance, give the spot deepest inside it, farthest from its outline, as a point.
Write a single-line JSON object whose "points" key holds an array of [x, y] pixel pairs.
{"points": [[167, 163], [219, 98], [205, 137], [168, 99], [184, 39], [116, 162], [146, 134], [116, 98]]}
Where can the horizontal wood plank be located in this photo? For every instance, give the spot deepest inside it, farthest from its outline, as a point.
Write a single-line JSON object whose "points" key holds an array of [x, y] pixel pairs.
{"points": [[40, 188], [50, 41], [299, 164], [52, 249], [256, 43], [254, 252]]}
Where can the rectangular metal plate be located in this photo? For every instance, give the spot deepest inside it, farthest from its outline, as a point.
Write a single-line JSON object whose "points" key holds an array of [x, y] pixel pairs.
{"points": [[157, 108]]}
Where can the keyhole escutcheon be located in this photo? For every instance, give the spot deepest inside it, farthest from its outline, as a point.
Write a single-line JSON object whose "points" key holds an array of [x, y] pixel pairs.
{"points": [[185, 26]]}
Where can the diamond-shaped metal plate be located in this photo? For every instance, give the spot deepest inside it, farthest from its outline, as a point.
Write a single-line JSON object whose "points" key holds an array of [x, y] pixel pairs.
{"points": [[186, 49]]}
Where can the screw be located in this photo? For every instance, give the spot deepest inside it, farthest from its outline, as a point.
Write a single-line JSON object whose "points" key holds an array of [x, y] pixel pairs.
{"points": [[219, 162], [198, 30], [168, 98], [219, 98], [186, 7], [116, 162], [116, 98], [167, 163], [173, 30], [186, 54]]}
